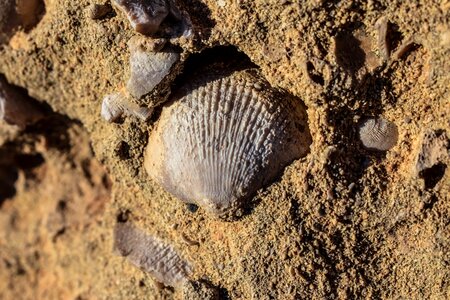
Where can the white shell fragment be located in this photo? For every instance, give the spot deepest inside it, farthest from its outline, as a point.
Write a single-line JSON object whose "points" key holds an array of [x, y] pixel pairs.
{"points": [[145, 16], [378, 134], [148, 69], [221, 140], [151, 255], [16, 108], [116, 105]]}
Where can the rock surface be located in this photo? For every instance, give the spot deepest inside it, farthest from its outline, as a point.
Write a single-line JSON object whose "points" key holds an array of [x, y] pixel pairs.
{"points": [[342, 222]]}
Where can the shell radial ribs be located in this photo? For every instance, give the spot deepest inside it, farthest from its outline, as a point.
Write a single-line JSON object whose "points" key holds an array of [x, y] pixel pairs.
{"points": [[223, 138]]}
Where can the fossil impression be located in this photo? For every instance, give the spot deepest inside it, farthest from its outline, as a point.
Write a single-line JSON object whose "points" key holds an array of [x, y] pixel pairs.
{"points": [[223, 138], [378, 134], [150, 254]]}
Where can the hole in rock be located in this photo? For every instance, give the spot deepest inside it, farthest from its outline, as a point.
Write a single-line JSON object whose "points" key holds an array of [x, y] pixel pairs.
{"points": [[123, 150], [313, 74], [349, 54], [433, 175], [28, 161], [8, 177]]}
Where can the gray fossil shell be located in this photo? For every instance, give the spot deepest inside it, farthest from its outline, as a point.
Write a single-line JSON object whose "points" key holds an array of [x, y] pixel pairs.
{"points": [[223, 139], [151, 254], [16, 108], [145, 16], [378, 134], [148, 69]]}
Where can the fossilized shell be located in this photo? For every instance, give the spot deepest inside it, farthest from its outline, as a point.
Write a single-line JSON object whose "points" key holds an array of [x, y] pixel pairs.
{"points": [[116, 105], [151, 254], [378, 134], [148, 69], [145, 16], [382, 26], [223, 139], [16, 108]]}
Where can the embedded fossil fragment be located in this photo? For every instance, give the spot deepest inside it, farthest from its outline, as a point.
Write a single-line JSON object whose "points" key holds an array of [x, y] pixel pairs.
{"points": [[150, 254], [116, 105], [378, 134], [16, 108], [145, 16], [404, 48], [148, 69], [382, 26], [98, 11], [429, 161], [222, 139], [150, 17]]}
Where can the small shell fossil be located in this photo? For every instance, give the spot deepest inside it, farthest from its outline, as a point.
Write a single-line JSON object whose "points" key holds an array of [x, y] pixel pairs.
{"points": [[145, 16], [378, 134], [16, 108], [222, 140], [148, 69], [116, 105], [150, 254]]}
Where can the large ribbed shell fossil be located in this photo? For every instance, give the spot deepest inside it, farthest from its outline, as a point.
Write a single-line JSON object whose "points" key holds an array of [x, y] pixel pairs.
{"points": [[223, 138]]}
